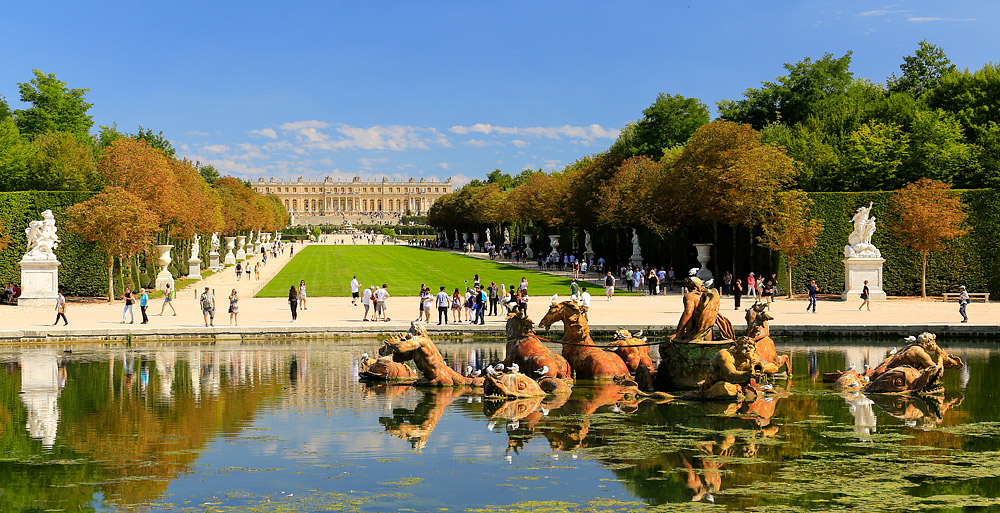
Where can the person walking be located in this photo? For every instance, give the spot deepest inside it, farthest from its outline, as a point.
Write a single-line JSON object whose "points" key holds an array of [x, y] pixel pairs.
{"points": [[963, 299], [671, 278], [864, 298], [737, 293], [355, 285], [481, 300], [128, 306], [207, 301], [293, 302], [239, 271], [727, 283], [143, 303], [652, 281], [302, 294], [813, 291], [168, 298], [752, 286], [425, 293], [366, 301], [61, 309], [494, 294], [584, 301], [609, 285], [234, 307], [428, 302], [381, 295], [574, 288], [442, 304], [456, 306]]}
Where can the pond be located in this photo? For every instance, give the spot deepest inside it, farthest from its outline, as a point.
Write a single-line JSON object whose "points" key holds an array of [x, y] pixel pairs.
{"points": [[287, 427]]}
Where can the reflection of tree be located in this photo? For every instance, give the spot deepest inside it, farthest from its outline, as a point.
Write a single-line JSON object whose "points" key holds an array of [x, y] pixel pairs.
{"points": [[123, 443]]}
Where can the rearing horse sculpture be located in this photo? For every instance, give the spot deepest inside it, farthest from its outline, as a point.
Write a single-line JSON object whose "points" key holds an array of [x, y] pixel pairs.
{"points": [[417, 346], [528, 352], [586, 359]]}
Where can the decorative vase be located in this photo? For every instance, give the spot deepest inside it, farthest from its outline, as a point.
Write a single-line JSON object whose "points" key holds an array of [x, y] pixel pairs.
{"points": [[704, 255], [163, 258]]}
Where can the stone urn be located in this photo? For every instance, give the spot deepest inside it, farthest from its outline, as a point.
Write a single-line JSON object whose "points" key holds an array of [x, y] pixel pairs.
{"points": [[528, 252], [704, 255], [554, 242], [241, 252], [163, 259], [230, 256], [475, 241]]}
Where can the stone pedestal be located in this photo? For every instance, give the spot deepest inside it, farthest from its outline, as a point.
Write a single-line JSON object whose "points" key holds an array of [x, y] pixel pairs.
{"points": [[163, 258], [475, 243], [588, 256], [39, 282], [194, 268], [856, 271], [213, 261], [230, 256], [241, 244], [528, 252], [704, 256]]}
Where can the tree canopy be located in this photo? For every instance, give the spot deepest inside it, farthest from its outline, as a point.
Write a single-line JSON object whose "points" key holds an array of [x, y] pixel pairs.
{"points": [[54, 107]]}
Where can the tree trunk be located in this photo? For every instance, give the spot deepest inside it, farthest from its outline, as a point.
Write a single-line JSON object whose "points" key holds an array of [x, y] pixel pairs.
{"points": [[923, 274], [111, 281], [788, 263], [733, 255], [715, 246]]}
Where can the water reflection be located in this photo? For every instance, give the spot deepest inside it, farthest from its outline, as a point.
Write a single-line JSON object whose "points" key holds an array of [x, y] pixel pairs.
{"points": [[117, 427]]}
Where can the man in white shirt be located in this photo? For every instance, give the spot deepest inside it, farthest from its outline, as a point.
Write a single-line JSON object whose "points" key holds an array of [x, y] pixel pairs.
{"points": [[366, 301], [354, 290], [584, 301], [380, 296], [442, 304]]}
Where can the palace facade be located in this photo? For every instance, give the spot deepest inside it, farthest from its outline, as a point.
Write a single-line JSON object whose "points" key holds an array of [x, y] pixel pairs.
{"points": [[329, 197]]}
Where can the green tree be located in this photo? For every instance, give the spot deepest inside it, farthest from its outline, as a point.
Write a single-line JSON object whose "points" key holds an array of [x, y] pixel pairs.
{"points": [[209, 173], [156, 140], [788, 229], [4, 109], [921, 71], [63, 162], [874, 155], [121, 224], [938, 151], [668, 122], [791, 97], [16, 156], [928, 214], [54, 107]]}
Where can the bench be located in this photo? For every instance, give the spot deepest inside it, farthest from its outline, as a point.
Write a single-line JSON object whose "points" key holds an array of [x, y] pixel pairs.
{"points": [[985, 296]]}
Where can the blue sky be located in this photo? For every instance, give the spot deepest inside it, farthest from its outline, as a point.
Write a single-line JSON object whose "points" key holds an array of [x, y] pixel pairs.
{"points": [[441, 89]]}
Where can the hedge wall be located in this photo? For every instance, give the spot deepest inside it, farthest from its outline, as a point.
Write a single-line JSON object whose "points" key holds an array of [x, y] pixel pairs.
{"points": [[81, 271], [972, 260]]}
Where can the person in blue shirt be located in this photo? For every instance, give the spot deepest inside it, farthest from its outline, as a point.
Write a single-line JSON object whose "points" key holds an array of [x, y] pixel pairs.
{"points": [[813, 290], [143, 302]]}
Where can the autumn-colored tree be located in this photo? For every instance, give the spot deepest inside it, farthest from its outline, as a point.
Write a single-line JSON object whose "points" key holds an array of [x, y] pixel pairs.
{"points": [[788, 229], [121, 224], [202, 212], [928, 214], [144, 171], [540, 199], [236, 201], [628, 198]]}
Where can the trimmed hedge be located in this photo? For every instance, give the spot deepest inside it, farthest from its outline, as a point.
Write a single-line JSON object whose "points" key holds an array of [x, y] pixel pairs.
{"points": [[972, 260]]}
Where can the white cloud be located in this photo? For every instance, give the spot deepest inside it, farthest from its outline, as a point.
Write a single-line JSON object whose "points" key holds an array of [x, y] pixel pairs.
{"points": [[585, 133], [216, 148], [459, 180], [519, 143], [479, 143], [270, 133], [916, 19], [444, 165], [552, 164], [370, 163], [299, 125], [196, 134]]}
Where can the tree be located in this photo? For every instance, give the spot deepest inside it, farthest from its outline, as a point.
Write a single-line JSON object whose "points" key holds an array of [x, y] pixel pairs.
{"points": [[121, 224], [921, 71], [668, 122], [139, 168], [629, 197], [788, 229], [874, 155], [63, 162], [929, 213], [209, 173], [54, 107], [791, 97], [4, 109], [16, 156], [939, 151], [155, 140]]}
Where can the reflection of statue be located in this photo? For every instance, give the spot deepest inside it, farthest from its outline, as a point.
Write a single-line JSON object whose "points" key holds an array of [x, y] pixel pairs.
{"points": [[506, 237], [636, 250], [587, 247], [42, 239], [488, 241], [925, 411], [196, 245], [859, 242], [214, 245]]}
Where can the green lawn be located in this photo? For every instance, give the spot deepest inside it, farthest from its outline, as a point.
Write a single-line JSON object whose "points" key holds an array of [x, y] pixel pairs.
{"points": [[328, 271]]}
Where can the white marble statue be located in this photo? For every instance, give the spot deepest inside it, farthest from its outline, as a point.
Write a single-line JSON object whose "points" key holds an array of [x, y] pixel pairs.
{"points": [[214, 245], [506, 237], [196, 245], [42, 238], [488, 241], [587, 247], [859, 242], [636, 250]]}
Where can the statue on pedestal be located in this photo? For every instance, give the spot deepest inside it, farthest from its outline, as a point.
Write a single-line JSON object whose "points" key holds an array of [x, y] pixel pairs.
{"points": [[636, 250], [859, 242], [42, 238], [506, 237], [195, 246], [214, 244], [488, 241]]}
